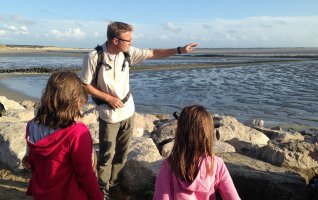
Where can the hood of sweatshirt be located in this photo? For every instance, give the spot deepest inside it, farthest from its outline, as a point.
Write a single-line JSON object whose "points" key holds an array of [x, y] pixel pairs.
{"points": [[203, 182], [43, 141]]}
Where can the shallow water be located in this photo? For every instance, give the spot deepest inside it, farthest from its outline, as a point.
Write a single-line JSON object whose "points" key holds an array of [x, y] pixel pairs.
{"points": [[27, 61], [273, 92], [63, 60], [282, 92], [277, 93]]}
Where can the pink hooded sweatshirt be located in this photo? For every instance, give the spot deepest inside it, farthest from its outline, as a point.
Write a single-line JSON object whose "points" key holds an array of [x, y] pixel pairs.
{"points": [[169, 187], [61, 165]]}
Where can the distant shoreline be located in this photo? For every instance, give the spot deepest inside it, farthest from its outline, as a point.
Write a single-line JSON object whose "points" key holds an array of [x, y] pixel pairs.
{"points": [[38, 48], [279, 51]]}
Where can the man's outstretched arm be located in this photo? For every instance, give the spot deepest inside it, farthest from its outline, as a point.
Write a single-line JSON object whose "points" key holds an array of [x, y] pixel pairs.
{"points": [[163, 53]]}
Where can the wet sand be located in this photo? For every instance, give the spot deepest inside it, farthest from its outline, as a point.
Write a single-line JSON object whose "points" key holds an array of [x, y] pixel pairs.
{"points": [[12, 94]]}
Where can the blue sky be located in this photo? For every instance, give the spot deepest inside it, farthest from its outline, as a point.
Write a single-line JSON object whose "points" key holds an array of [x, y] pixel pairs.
{"points": [[162, 23]]}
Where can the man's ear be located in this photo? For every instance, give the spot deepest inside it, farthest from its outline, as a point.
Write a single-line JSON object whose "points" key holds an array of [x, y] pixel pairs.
{"points": [[115, 41]]}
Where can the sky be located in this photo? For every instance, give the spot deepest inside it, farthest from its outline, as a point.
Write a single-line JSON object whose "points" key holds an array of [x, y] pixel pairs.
{"points": [[162, 23]]}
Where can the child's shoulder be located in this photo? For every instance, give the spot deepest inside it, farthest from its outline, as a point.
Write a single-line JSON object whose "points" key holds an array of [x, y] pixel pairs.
{"points": [[79, 126], [218, 160], [78, 130], [165, 164]]}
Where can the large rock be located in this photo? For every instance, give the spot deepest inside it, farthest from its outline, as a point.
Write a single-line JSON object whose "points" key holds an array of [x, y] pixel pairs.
{"points": [[10, 104], [164, 131], [142, 166], [144, 124], [28, 104], [259, 180], [90, 114], [21, 114], [2, 110], [300, 162], [234, 129], [245, 148], [12, 144], [166, 149], [280, 135], [292, 155], [90, 118], [222, 147]]}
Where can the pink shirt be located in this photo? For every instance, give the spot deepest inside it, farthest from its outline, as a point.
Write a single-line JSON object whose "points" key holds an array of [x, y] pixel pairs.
{"points": [[168, 186]]}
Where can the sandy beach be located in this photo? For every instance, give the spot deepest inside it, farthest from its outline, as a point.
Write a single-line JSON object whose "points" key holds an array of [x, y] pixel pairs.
{"points": [[13, 185]]}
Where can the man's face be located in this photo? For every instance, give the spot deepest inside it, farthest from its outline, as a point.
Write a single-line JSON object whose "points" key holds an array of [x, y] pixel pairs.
{"points": [[124, 41]]}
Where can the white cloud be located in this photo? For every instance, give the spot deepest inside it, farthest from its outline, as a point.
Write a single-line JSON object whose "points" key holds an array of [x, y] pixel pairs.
{"points": [[11, 29], [164, 37], [56, 33], [75, 33], [259, 31], [96, 34], [2, 32], [23, 30], [171, 27]]}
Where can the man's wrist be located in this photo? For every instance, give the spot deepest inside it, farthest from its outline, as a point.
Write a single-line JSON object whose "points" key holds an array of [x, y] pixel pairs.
{"points": [[179, 50]]}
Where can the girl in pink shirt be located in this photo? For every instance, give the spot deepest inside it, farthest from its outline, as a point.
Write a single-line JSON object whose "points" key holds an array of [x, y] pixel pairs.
{"points": [[192, 171]]}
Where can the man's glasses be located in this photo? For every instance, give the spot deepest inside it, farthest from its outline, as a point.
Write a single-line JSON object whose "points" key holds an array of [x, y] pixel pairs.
{"points": [[124, 40]]}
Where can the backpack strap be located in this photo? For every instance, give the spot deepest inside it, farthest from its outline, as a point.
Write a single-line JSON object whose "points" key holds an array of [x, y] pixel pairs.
{"points": [[126, 59], [100, 62], [100, 53]]}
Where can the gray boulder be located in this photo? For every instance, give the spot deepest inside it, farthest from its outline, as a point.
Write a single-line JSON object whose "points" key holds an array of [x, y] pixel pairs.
{"points": [[234, 129], [256, 179], [10, 104], [12, 144], [143, 163]]}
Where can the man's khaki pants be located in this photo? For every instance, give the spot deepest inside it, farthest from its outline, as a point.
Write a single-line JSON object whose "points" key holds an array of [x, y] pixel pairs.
{"points": [[114, 144]]}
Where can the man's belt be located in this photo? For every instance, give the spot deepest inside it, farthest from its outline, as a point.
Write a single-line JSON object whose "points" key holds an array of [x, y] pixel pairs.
{"points": [[125, 99], [100, 102]]}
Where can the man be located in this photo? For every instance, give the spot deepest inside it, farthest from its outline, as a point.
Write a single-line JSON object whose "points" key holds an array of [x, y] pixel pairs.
{"points": [[116, 114]]}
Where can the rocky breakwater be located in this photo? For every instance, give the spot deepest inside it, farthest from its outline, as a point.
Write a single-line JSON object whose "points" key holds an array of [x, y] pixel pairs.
{"points": [[264, 163]]}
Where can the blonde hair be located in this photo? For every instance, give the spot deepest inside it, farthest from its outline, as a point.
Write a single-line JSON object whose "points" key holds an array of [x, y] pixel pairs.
{"points": [[115, 29], [194, 141], [61, 100]]}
